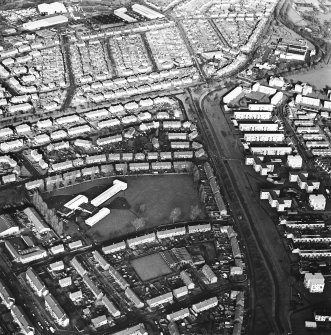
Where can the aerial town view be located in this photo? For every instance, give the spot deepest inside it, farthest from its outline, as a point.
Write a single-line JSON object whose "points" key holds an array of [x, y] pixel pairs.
{"points": [[165, 167]]}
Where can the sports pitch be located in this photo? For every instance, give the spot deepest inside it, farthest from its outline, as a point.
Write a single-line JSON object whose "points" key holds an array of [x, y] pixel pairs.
{"points": [[150, 267]]}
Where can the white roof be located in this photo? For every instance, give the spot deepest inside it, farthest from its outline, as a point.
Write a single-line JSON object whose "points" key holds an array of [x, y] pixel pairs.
{"points": [[52, 8]]}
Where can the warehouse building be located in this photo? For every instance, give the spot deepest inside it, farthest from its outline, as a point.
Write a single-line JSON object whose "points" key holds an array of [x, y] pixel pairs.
{"points": [[147, 12]]}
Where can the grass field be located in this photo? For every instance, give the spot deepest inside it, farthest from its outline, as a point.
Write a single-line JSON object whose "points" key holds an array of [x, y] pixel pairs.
{"points": [[157, 194], [150, 267]]}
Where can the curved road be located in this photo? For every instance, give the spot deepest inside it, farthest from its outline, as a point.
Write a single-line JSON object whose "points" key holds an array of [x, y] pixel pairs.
{"points": [[267, 258]]}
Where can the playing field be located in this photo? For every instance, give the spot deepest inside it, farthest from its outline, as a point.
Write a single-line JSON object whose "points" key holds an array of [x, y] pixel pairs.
{"points": [[151, 198], [150, 267]]}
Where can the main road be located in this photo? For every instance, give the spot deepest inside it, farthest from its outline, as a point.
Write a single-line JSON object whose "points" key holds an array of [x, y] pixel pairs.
{"points": [[268, 261]]}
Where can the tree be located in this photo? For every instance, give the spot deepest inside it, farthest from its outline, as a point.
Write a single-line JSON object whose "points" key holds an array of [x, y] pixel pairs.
{"points": [[195, 212], [175, 214], [138, 223]]}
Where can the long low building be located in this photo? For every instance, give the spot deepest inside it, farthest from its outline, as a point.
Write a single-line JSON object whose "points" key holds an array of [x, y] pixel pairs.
{"points": [[138, 329], [271, 150], [171, 232], [109, 249], [109, 193], [102, 213], [148, 238], [44, 23], [200, 228]]}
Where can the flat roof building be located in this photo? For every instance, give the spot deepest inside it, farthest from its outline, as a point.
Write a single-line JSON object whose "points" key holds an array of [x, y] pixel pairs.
{"points": [[109, 193]]}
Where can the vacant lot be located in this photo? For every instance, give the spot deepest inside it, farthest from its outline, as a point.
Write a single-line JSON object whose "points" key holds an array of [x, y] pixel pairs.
{"points": [[150, 267], [151, 198]]}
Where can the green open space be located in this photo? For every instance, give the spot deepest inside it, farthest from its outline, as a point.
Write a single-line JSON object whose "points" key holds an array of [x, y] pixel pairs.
{"points": [[150, 267], [150, 199]]}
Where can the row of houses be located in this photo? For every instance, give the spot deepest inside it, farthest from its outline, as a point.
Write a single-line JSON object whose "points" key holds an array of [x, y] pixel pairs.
{"points": [[17, 312]]}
